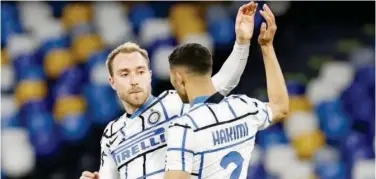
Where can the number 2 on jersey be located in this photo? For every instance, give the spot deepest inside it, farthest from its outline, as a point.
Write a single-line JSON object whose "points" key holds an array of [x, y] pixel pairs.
{"points": [[237, 159]]}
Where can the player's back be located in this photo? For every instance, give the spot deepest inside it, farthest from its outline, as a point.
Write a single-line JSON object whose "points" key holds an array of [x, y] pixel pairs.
{"points": [[216, 138]]}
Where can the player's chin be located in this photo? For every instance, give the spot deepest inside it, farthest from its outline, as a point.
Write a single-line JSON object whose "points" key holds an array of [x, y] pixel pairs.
{"points": [[137, 99]]}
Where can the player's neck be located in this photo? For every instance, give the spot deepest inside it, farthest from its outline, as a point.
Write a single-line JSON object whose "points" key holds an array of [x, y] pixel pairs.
{"points": [[130, 109], [199, 87]]}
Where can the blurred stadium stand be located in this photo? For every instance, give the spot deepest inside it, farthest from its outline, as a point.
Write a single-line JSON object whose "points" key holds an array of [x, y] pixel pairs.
{"points": [[56, 99]]}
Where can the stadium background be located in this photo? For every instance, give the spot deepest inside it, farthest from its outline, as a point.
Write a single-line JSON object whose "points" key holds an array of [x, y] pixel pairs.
{"points": [[55, 98]]}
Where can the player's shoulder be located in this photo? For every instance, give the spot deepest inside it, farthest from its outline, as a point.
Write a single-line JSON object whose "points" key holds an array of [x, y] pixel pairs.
{"points": [[170, 95], [245, 99], [171, 100], [112, 127], [183, 121]]}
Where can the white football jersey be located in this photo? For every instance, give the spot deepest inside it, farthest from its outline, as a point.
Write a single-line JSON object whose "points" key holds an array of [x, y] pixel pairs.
{"points": [[135, 146], [216, 137]]}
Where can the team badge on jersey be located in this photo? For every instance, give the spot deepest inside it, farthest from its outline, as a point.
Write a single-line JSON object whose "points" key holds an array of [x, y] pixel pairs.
{"points": [[154, 117]]}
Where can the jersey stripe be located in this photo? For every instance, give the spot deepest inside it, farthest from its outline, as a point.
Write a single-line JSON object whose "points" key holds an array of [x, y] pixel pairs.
{"points": [[241, 99], [144, 155], [211, 110], [164, 111], [224, 122], [182, 109], [126, 163], [201, 166], [229, 106], [267, 115], [126, 172], [183, 147], [193, 122]]}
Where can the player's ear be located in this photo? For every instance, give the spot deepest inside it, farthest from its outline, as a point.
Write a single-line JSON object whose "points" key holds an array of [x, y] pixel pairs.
{"points": [[179, 79], [112, 82]]}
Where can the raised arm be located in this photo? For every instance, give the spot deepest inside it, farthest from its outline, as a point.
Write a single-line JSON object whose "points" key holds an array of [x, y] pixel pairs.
{"points": [[229, 75], [276, 86]]}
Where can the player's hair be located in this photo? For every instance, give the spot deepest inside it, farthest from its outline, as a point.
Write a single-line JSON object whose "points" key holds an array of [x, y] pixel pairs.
{"points": [[127, 47], [194, 56]]}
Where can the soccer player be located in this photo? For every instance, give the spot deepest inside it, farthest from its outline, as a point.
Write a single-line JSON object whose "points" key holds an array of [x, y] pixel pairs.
{"points": [[134, 145], [217, 130]]}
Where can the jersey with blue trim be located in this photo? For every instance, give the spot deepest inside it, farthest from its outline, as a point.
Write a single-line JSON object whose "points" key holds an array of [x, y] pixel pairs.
{"points": [[215, 140], [135, 146]]}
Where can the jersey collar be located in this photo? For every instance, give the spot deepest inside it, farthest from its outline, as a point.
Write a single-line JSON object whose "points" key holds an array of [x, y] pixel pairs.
{"points": [[198, 100], [142, 108], [215, 98]]}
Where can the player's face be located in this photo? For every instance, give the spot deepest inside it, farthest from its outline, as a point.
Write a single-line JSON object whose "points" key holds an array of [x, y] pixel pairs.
{"points": [[177, 82], [131, 78]]}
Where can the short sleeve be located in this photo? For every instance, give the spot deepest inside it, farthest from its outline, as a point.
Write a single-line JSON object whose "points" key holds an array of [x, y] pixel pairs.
{"points": [[108, 168], [180, 147], [263, 113]]}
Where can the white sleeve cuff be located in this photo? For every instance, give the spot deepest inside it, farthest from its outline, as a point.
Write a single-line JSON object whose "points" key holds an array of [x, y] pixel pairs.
{"points": [[241, 52]]}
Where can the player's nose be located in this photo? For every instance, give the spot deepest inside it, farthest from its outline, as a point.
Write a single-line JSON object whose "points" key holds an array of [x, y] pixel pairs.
{"points": [[134, 80]]}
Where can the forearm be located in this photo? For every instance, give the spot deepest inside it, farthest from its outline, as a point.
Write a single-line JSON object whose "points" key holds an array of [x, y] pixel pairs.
{"points": [[276, 86], [229, 75]]}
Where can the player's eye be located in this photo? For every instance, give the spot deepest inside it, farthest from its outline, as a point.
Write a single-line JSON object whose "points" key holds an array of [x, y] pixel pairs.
{"points": [[141, 72], [124, 75]]}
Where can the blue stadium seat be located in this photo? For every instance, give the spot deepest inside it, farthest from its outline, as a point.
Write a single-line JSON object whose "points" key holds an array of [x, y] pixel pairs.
{"points": [[57, 7], [295, 88], [74, 127], [171, 41], [333, 121], [9, 11], [28, 67], [356, 146], [216, 12], [354, 96], [9, 22], [54, 43], [97, 57], [33, 72], [72, 77], [330, 169], [138, 14], [222, 31], [10, 121], [270, 136], [43, 137], [33, 106], [366, 75], [256, 171], [63, 89], [256, 167], [102, 103]]}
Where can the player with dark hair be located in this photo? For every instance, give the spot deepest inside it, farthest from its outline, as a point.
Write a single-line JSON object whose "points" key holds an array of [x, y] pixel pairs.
{"points": [[218, 130]]}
